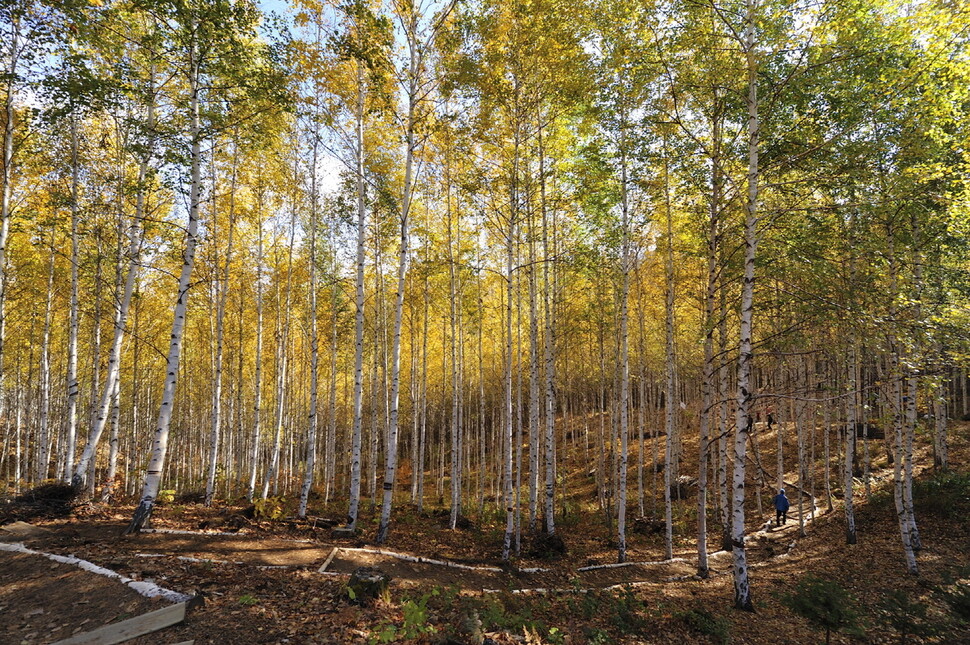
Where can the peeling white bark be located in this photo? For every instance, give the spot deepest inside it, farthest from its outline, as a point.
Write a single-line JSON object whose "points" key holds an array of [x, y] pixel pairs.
{"points": [[156, 465], [742, 587], [143, 587], [358, 406]]}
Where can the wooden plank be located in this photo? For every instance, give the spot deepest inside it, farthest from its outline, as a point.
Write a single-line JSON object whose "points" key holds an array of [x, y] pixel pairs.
{"points": [[131, 628], [329, 559]]}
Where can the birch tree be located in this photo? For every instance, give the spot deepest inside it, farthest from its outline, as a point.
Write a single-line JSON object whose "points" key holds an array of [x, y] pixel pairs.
{"points": [[212, 39], [420, 28], [742, 586], [221, 287], [363, 44], [28, 27], [314, 119]]}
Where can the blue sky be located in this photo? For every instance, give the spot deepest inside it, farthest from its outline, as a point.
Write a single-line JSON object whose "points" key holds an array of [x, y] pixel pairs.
{"points": [[279, 6]]}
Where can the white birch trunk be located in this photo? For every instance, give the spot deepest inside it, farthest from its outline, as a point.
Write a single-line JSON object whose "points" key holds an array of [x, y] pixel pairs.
{"points": [[482, 473], [85, 464], [94, 407], [43, 434], [415, 392], [422, 437], [504, 442], [72, 383], [311, 448], [851, 410], [800, 435], [156, 464], [909, 434], [358, 411], [18, 425], [707, 373], [549, 348], [912, 386], [942, 459], [271, 481], [6, 176], [330, 463], [380, 326], [533, 381], [113, 445], [722, 424], [780, 443], [671, 393], [258, 368], [507, 407], [222, 295], [456, 429], [107, 490], [641, 427], [899, 423], [742, 587], [716, 277], [827, 421], [900, 408], [390, 464], [624, 355]]}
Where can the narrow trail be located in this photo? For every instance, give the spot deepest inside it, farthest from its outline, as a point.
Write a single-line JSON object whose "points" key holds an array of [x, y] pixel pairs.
{"points": [[337, 558], [340, 559], [406, 569]]}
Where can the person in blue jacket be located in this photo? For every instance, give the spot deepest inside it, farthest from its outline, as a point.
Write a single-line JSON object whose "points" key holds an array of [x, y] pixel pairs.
{"points": [[781, 508]]}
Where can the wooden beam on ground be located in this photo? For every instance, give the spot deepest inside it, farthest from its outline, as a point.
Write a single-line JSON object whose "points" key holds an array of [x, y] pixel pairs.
{"points": [[131, 628], [329, 559]]}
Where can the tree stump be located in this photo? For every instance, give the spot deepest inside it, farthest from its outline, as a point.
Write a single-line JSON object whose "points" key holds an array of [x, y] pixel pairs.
{"points": [[547, 547], [366, 584], [343, 532]]}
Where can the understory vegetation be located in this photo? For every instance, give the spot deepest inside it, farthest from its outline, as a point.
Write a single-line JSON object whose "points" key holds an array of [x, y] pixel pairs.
{"points": [[581, 285]]}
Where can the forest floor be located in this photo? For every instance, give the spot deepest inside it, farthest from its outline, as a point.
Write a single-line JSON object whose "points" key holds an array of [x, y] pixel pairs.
{"points": [[260, 580]]}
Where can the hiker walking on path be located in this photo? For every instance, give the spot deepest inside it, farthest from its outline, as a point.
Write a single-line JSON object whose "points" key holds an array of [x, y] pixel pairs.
{"points": [[781, 508]]}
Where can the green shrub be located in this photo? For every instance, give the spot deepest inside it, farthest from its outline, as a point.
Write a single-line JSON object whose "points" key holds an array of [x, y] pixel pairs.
{"points": [[492, 514], [825, 604], [626, 611], [416, 616], [904, 616], [946, 495], [707, 624], [586, 605], [570, 516], [597, 636], [414, 626], [957, 596], [499, 613]]}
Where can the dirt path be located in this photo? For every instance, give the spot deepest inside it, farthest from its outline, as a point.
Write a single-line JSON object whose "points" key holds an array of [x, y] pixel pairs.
{"points": [[149, 554], [245, 549], [156, 552], [100, 542]]}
